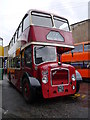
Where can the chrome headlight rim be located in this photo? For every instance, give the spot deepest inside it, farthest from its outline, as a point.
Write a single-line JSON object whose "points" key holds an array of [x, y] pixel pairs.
{"points": [[73, 77], [44, 79]]}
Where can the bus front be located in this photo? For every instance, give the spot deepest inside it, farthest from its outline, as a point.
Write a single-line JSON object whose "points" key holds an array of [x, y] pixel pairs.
{"points": [[51, 37], [56, 79]]}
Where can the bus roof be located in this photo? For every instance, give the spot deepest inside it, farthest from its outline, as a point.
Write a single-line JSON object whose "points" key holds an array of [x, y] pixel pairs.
{"points": [[45, 12]]}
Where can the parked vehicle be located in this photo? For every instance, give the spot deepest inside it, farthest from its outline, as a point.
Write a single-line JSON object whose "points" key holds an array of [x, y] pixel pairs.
{"points": [[79, 58], [35, 56]]}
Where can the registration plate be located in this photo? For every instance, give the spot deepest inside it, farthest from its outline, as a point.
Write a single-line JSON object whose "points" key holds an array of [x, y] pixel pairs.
{"points": [[60, 88]]}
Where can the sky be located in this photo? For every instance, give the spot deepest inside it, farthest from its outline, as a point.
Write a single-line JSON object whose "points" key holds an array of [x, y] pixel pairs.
{"points": [[12, 12]]}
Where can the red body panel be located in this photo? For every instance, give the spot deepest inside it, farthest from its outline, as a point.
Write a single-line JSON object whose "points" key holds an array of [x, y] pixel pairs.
{"points": [[50, 90], [39, 34]]}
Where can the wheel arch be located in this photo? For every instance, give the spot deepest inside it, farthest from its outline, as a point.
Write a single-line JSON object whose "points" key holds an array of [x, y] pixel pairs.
{"points": [[32, 80]]}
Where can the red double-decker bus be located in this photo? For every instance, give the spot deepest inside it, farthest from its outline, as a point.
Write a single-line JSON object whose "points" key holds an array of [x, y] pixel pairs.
{"points": [[35, 56]]}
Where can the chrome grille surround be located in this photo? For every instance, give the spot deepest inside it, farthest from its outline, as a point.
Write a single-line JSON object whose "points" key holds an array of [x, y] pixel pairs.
{"points": [[56, 70]]}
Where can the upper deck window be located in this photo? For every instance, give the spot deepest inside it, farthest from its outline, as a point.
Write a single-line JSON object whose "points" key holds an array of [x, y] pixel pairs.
{"points": [[87, 47], [61, 23], [15, 37], [26, 22], [11, 42], [19, 29], [41, 19]]}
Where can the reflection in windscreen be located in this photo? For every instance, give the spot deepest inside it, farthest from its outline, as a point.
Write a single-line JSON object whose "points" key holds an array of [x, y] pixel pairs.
{"points": [[40, 19], [44, 54], [61, 23]]}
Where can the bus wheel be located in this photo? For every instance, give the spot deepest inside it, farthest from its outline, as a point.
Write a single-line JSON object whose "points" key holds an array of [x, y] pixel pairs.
{"points": [[27, 93]]}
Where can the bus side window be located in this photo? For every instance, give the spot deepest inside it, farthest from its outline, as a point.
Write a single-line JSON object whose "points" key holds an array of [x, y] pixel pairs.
{"points": [[78, 48], [9, 62], [26, 22], [87, 47], [28, 57], [22, 58], [15, 36], [19, 29], [18, 61]]}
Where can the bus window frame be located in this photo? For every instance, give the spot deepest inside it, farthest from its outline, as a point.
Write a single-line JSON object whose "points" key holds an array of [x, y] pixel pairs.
{"points": [[22, 61], [28, 64], [45, 61], [20, 29], [16, 62], [62, 20], [72, 51], [45, 15], [27, 16], [87, 50]]}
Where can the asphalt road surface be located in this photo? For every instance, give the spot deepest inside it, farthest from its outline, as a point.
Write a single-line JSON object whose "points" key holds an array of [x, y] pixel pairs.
{"points": [[14, 106]]}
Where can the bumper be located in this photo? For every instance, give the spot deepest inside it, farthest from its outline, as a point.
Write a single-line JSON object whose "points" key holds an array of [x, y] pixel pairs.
{"points": [[56, 91]]}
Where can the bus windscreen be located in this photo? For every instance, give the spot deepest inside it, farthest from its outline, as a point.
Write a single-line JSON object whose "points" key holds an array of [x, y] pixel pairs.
{"points": [[41, 19], [61, 23], [44, 54]]}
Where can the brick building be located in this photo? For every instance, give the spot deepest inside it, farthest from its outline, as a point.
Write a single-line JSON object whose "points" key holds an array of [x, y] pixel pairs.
{"points": [[80, 31]]}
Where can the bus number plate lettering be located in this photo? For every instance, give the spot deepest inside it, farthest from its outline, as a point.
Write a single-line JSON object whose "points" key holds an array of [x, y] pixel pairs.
{"points": [[60, 88]]}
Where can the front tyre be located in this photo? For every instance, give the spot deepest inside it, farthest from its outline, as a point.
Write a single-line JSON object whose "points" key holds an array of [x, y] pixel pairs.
{"points": [[27, 91]]}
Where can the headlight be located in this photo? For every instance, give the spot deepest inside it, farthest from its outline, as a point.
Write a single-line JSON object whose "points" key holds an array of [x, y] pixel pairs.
{"points": [[73, 77], [73, 87], [44, 79]]}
